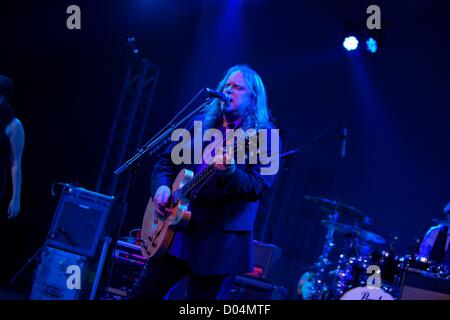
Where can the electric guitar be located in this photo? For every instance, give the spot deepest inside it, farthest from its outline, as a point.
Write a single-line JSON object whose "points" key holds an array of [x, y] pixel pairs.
{"points": [[157, 230]]}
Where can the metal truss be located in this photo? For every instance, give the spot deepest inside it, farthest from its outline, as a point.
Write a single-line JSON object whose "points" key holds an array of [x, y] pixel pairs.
{"points": [[128, 127]]}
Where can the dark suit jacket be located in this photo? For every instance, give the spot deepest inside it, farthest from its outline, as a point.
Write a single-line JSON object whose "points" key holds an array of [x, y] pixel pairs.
{"points": [[218, 239]]}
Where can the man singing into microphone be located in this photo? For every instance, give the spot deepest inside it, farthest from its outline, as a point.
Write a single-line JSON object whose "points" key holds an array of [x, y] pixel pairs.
{"points": [[217, 242]]}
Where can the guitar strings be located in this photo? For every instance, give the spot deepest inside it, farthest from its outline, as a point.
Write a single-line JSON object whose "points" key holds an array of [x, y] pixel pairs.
{"points": [[210, 170]]}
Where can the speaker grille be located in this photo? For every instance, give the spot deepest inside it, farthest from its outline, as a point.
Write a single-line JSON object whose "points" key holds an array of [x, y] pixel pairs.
{"points": [[79, 221]]}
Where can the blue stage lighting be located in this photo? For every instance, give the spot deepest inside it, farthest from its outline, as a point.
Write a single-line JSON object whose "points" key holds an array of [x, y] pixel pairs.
{"points": [[372, 45], [350, 43]]}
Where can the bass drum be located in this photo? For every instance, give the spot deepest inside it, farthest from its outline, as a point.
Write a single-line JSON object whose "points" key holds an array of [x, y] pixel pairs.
{"points": [[366, 293], [353, 273]]}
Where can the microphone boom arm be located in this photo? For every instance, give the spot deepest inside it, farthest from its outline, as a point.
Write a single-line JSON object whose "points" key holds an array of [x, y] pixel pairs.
{"points": [[162, 137]]}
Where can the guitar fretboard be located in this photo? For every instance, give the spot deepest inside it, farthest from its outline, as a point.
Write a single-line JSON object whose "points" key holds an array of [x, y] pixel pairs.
{"points": [[201, 176], [196, 180]]}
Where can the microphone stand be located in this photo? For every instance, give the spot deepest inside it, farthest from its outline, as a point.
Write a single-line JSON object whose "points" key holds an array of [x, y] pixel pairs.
{"points": [[163, 136], [319, 288], [152, 146]]}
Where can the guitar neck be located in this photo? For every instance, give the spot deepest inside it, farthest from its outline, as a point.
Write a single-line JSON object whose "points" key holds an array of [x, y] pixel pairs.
{"points": [[200, 177]]}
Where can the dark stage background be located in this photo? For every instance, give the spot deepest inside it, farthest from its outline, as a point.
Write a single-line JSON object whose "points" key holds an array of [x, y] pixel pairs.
{"points": [[395, 105]]}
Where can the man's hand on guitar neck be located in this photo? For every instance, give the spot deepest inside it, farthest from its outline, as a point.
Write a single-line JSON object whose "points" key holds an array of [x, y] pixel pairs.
{"points": [[161, 200]]}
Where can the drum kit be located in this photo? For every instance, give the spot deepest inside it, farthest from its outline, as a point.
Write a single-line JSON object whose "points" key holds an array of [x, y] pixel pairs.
{"points": [[366, 267]]}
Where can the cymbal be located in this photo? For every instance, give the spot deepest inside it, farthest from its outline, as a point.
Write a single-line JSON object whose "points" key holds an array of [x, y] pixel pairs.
{"points": [[360, 233], [332, 206], [339, 227], [371, 237]]}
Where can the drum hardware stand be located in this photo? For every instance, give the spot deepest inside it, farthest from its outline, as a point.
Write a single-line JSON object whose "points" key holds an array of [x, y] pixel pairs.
{"points": [[319, 286], [349, 250], [390, 252]]}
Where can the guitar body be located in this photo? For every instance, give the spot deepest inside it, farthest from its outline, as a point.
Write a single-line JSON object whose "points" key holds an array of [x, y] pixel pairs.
{"points": [[158, 231]]}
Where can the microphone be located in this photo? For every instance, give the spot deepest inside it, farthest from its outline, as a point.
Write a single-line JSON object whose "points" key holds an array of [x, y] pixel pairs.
{"points": [[344, 142], [219, 95]]}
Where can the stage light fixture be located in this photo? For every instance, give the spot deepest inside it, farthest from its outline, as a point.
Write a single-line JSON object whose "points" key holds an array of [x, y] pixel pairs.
{"points": [[371, 45], [350, 43]]}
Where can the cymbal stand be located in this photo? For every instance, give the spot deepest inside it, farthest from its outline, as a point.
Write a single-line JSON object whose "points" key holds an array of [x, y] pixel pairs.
{"points": [[319, 286]]}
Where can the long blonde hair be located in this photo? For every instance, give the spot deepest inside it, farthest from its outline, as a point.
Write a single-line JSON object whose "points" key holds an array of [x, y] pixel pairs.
{"points": [[257, 115]]}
